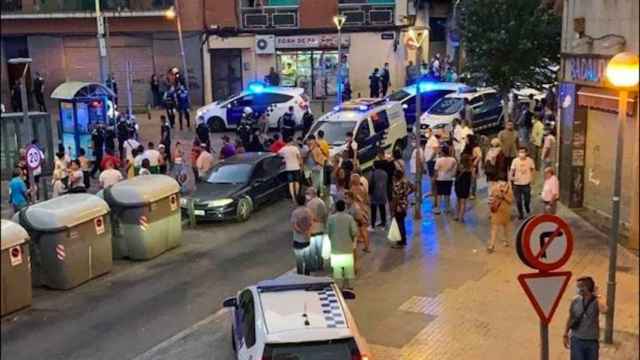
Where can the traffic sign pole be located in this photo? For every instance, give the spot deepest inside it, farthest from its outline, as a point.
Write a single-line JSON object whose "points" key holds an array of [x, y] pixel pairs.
{"points": [[544, 341]]}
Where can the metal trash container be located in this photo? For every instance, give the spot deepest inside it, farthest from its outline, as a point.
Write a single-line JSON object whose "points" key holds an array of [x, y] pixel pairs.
{"points": [[15, 288], [70, 240], [146, 216]]}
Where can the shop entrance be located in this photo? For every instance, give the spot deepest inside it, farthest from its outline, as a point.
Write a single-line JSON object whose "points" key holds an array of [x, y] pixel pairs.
{"points": [[313, 70], [226, 74]]}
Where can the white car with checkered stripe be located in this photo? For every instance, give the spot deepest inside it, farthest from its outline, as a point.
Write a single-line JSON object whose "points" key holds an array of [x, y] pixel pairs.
{"points": [[295, 317]]}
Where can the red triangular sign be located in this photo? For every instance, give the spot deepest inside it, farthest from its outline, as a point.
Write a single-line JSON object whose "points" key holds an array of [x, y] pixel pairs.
{"points": [[545, 290]]}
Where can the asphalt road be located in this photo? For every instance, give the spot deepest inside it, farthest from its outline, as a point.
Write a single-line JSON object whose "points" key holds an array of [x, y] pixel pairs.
{"points": [[142, 304]]}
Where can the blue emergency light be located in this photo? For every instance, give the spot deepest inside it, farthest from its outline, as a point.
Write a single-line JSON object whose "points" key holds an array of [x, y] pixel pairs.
{"points": [[425, 86], [363, 108], [256, 87]]}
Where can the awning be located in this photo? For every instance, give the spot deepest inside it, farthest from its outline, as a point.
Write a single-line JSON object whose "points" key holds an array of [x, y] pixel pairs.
{"points": [[80, 89], [604, 99]]}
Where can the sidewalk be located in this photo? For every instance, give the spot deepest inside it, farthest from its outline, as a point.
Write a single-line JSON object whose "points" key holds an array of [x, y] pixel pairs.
{"points": [[445, 298]]}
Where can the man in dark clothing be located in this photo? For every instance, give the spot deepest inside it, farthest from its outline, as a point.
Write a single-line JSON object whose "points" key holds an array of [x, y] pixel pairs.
{"points": [[379, 194], [38, 90], [202, 131], [374, 84], [255, 145], [165, 133], [97, 139], [113, 85], [183, 105], [16, 98], [385, 79], [273, 78], [387, 165], [288, 123], [170, 105], [307, 121], [122, 133]]}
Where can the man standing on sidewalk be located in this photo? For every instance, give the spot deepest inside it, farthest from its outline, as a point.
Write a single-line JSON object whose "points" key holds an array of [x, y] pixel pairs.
{"points": [[582, 332], [548, 149], [293, 165], [509, 142], [342, 231], [521, 175], [537, 132]]}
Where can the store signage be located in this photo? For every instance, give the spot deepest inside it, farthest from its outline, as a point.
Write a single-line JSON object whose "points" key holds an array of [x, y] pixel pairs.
{"points": [[586, 69], [311, 41], [387, 36]]}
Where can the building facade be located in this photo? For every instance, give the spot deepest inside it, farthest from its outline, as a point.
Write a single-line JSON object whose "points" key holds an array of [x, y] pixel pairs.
{"points": [[60, 37], [593, 32], [299, 40]]}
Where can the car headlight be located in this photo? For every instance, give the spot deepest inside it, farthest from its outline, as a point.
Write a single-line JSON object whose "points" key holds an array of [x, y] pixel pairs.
{"points": [[219, 203]]}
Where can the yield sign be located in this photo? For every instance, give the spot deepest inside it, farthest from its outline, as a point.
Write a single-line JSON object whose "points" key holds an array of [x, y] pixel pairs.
{"points": [[544, 290]]}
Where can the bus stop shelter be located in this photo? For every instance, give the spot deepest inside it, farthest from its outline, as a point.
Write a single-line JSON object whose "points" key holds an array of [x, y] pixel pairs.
{"points": [[15, 134], [82, 106]]}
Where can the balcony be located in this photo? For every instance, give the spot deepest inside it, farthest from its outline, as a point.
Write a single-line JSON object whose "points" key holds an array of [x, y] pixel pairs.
{"points": [[25, 9], [372, 13], [269, 17]]}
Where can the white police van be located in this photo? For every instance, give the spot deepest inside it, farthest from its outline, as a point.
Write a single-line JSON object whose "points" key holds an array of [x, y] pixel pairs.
{"points": [[374, 123], [485, 104], [295, 317], [272, 100]]}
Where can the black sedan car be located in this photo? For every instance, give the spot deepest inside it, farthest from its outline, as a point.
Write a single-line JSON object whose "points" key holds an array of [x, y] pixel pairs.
{"points": [[233, 188]]}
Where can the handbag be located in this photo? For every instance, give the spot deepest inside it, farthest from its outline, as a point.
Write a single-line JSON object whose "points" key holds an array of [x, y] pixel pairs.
{"points": [[575, 323], [394, 232]]}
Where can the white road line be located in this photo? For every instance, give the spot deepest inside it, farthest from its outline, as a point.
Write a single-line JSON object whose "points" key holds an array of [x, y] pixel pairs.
{"points": [[180, 335], [184, 333]]}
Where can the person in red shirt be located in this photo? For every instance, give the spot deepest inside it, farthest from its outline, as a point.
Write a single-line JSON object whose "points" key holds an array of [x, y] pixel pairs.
{"points": [[196, 150], [277, 144], [109, 157]]}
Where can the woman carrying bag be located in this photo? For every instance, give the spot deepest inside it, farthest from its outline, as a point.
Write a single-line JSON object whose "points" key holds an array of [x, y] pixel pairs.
{"points": [[500, 199], [399, 204]]}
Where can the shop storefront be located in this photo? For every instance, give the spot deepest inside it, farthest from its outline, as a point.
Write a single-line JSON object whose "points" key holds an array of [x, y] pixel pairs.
{"points": [[311, 62], [588, 139]]}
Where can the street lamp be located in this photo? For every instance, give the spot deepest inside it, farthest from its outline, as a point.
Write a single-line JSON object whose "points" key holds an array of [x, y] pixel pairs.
{"points": [[171, 14], [339, 21], [622, 73], [416, 36]]}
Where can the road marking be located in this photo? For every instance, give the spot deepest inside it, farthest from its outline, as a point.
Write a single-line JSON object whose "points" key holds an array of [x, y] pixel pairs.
{"points": [[180, 335], [147, 355]]}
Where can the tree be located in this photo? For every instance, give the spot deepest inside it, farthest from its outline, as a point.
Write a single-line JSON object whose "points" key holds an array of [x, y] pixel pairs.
{"points": [[510, 42]]}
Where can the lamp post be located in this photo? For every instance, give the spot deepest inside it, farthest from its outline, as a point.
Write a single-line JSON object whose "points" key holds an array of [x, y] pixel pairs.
{"points": [[102, 45], [622, 73], [339, 21], [417, 35], [174, 13]]}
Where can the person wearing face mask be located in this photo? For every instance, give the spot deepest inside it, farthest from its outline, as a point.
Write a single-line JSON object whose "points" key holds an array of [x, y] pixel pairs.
{"points": [[521, 175], [582, 330]]}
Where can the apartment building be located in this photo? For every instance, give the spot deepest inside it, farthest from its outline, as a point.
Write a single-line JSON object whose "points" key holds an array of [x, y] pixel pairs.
{"points": [[60, 37], [299, 40]]}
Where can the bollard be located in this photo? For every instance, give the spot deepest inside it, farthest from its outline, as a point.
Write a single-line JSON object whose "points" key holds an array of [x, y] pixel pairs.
{"points": [[191, 212]]}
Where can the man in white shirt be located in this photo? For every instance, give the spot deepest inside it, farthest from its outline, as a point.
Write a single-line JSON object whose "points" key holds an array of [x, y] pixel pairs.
{"points": [[550, 191], [109, 176], [154, 157], [128, 147], [445, 168], [430, 153], [293, 164], [521, 175]]}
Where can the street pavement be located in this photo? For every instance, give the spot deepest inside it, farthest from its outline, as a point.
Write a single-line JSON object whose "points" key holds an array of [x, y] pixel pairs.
{"points": [[443, 297]]}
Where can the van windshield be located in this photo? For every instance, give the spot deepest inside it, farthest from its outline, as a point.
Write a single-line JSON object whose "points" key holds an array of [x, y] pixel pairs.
{"points": [[339, 349], [447, 106], [335, 132]]}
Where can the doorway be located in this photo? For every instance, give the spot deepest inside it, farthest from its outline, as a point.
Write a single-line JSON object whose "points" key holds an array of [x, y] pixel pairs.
{"points": [[226, 65]]}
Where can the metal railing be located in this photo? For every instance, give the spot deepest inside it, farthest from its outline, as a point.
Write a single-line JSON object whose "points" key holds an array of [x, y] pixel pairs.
{"points": [[56, 6], [269, 17], [368, 14]]}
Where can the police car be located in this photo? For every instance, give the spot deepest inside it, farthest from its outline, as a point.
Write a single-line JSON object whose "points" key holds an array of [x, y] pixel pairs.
{"points": [[272, 100], [295, 317], [374, 123], [486, 108], [431, 91]]}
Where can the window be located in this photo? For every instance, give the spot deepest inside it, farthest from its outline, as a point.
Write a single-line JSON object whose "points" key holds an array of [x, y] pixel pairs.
{"points": [[335, 132], [273, 98], [380, 121], [229, 174], [363, 132], [273, 166], [476, 100], [339, 349], [246, 100], [248, 318], [447, 106], [399, 95]]}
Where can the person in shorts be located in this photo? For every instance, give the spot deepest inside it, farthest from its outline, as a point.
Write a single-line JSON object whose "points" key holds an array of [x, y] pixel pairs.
{"points": [[343, 231], [293, 164], [445, 172]]}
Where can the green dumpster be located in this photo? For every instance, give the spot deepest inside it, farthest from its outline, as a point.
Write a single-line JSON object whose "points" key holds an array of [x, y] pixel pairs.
{"points": [[146, 216], [70, 240], [15, 288]]}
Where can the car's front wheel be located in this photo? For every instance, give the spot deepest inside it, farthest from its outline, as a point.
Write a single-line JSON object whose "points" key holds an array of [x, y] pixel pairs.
{"points": [[244, 209], [216, 124]]}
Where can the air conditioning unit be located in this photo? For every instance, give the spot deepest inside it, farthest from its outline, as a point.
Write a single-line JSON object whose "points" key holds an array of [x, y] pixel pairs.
{"points": [[265, 44]]}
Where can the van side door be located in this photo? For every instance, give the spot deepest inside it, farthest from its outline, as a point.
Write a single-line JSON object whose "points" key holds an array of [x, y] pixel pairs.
{"points": [[367, 143]]}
